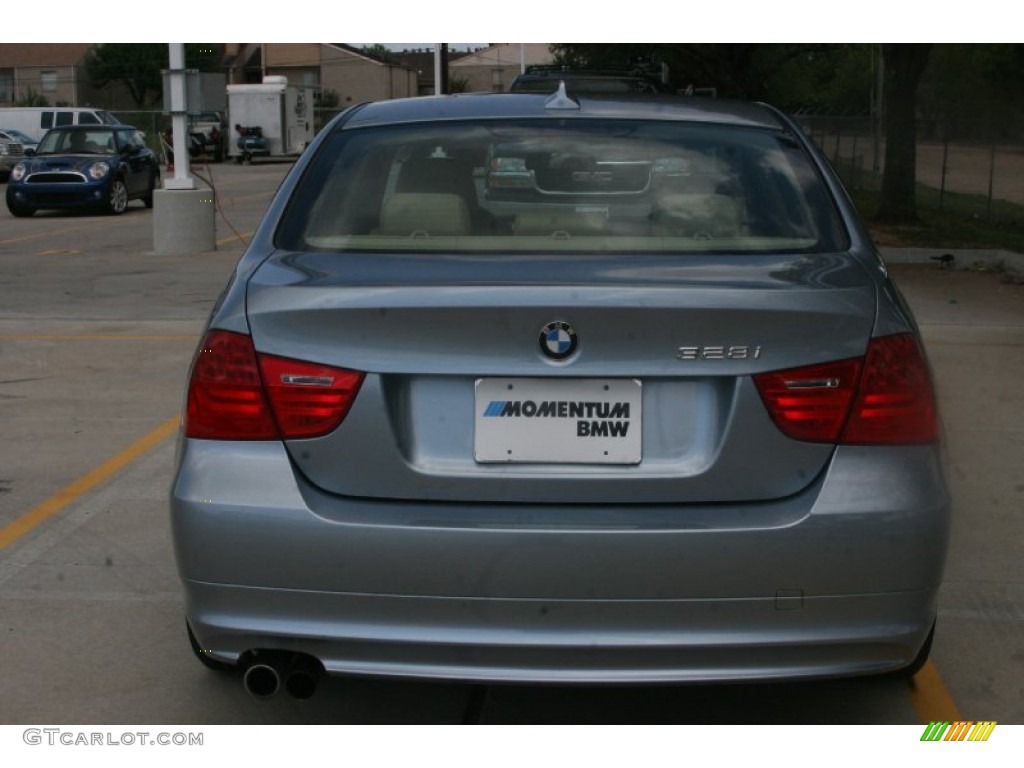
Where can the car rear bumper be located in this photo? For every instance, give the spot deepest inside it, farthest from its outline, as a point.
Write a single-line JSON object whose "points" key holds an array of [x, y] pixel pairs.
{"points": [[558, 641], [841, 579]]}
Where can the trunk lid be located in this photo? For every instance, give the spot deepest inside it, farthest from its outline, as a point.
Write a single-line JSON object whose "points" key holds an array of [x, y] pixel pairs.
{"points": [[673, 341]]}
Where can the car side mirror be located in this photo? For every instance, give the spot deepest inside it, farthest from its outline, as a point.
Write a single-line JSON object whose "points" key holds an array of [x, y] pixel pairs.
{"points": [[29, 152]]}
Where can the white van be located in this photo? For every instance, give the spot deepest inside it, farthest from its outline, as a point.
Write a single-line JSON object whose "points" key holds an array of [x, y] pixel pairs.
{"points": [[35, 121]]}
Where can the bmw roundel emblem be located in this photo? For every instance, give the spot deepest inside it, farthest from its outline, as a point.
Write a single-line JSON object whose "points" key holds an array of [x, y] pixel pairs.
{"points": [[558, 340]]}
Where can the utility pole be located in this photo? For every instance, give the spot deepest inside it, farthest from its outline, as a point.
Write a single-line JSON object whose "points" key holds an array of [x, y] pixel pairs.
{"points": [[440, 68], [183, 220], [179, 119]]}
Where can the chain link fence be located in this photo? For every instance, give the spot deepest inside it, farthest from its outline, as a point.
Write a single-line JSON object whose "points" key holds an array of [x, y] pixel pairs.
{"points": [[969, 174], [149, 122], [153, 123]]}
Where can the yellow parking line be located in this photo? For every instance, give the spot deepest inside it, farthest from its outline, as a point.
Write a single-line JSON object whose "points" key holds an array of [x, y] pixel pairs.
{"points": [[47, 233], [47, 509], [930, 697]]}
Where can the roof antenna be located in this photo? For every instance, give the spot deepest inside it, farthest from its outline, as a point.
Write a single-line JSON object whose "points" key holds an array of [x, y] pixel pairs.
{"points": [[560, 99]]}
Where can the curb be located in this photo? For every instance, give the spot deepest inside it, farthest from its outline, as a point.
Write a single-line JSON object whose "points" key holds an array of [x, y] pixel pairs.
{"points": [[990, 260]]}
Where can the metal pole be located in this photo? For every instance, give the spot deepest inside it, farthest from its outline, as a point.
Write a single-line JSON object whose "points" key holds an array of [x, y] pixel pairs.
{"points": [[183, 220], [445, 81], [179, 119], [437, 68]]}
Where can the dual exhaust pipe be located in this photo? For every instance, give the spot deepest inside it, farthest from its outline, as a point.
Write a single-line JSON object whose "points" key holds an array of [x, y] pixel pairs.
{"points": [[269, 671]]}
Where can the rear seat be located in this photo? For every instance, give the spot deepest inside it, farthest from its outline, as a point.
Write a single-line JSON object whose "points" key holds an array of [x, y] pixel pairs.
{"points": [[560, 224], [424, 214], [699, 215]]}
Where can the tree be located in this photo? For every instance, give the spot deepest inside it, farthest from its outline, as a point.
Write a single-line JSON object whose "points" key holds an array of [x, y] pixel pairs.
{"points": [[328, 98], [457, 83], [745, 71], [378, 51], [31, 98], [830, 80], [973, 91], [903, 66], [138, 66], [822, 78]]}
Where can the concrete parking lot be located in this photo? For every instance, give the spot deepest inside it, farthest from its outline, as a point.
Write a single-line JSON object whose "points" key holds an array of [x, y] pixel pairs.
{"points": [[96, 335]]}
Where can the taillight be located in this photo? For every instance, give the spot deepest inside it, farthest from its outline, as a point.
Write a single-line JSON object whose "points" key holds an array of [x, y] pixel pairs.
{"points": [[811, 403], [895, 402], [885, 398], [235, 394], [225, 393], [308, 399]]}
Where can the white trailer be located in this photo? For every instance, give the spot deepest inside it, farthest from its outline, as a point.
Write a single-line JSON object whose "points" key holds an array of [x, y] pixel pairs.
{"points": [[283, 112]]}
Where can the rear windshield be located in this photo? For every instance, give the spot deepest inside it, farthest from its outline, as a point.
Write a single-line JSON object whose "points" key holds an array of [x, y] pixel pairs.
{"points": [[561, 185]]}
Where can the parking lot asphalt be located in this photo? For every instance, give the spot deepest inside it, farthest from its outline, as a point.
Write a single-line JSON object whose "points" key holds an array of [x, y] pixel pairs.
{"points": [[96, 335]]}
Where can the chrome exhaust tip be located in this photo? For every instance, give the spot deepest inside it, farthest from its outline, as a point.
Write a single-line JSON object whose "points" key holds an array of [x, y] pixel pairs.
{"points": [[269, 671], [262, 680], [303, 676]]}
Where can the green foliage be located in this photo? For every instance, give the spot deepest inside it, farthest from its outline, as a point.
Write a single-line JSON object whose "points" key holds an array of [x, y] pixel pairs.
{"points": [[138, 66], [963, 221], [377, 51], [968, 90], [327, 99], [830, 80], [603, 55], [206, 57], [974, 91], [785, 74], [457, 83], [31, 98]]}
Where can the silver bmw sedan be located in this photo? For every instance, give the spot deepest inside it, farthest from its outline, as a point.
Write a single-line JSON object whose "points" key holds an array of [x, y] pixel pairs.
{"points": [[560, 388]]}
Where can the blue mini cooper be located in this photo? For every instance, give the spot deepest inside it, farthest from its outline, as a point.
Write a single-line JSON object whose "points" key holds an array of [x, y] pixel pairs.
{"points": [[99, 167]]}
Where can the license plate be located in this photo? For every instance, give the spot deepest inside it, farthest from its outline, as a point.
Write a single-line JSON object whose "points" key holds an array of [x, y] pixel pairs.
{"points": [[558, 421]]}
